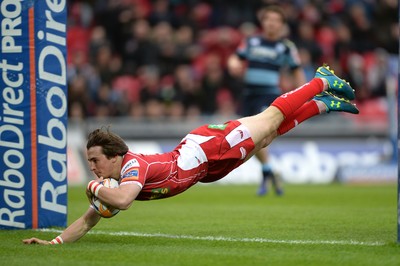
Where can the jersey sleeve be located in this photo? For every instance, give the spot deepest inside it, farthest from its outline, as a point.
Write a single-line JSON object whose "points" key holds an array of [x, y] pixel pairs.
{"points": [[132, 173], [293, 57], [241, 50]]}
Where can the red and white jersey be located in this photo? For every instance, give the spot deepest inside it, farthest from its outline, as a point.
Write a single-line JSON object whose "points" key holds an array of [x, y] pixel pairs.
{"points": [[206, 154]]}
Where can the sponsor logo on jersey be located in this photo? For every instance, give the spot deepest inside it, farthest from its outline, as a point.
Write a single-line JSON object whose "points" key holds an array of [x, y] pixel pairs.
{"points": [[159, 192], [132, 174], [220, 126], [130, 164], [263, 52]]}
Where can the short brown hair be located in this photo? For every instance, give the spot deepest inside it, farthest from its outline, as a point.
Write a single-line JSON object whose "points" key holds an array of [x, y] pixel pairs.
{"points": [[271, 8], [111, 143]]}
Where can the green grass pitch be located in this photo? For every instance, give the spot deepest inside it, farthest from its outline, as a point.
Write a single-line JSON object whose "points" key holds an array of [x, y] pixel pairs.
{"points": [[229, 225]]}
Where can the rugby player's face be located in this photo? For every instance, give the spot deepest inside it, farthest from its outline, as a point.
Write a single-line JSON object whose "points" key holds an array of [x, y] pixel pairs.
{"points": [[272, 24], [99, 164]]}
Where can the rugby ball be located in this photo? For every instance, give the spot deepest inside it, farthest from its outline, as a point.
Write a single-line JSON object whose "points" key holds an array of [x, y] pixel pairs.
{"points": [[102, 209]]}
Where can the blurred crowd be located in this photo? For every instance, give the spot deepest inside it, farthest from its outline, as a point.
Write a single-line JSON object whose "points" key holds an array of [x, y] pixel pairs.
{"points": [[159, 59]]}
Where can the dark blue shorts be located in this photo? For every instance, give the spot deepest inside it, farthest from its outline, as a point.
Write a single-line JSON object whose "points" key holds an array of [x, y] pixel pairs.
{"points": [[255, 103]]}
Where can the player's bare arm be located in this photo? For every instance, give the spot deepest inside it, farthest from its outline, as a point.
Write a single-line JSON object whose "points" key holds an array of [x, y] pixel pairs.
{"points": [[121, 197], [73, 232]]}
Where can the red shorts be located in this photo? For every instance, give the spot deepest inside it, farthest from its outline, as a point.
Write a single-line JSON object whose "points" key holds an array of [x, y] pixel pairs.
{"points": [[206, 154], [225, 146]]}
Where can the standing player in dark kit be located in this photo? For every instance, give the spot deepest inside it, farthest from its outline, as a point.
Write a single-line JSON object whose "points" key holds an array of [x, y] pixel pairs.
{"points": [[206, 154], [262, 58]]}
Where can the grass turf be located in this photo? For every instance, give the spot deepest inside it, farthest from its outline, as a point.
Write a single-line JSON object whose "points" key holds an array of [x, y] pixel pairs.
{"points": [[229, 225]]}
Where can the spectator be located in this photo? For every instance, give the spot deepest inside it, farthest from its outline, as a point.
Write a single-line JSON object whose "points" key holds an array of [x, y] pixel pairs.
{"points": [[139, 50], [361, 29], [150, 92], [212, 83], [306, 40], [78, 97], [163, 37], [174, 108], [187, 86]]}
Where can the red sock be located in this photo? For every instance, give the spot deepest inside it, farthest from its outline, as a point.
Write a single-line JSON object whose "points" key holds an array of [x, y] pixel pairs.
{"points": [[289, 102], [306, 111]]}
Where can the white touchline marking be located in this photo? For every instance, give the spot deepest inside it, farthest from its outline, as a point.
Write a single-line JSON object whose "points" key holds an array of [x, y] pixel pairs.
{"points": [[231, 239]]}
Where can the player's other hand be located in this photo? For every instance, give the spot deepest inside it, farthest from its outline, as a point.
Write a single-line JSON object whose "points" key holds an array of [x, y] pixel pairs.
{"points": [[89, 194], [35, 240]]}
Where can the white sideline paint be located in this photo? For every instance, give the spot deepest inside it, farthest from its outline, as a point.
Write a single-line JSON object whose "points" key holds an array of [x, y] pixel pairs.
{"points": [[230, 239]]}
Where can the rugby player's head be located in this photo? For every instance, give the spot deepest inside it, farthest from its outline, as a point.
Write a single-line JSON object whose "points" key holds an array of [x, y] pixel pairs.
{"points": [[112, 144], [271, 9]]}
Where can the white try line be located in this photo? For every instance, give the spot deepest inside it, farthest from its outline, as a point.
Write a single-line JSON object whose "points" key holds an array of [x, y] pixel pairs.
{"points": [[231, 239]]}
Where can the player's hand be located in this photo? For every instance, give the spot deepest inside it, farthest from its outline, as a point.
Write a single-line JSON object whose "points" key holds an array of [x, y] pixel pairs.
{"points": [[35, 240], [236, 67], [89, 193]]}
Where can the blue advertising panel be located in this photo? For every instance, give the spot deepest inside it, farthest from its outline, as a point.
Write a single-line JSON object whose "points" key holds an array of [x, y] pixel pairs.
{"points": [[33, 114]]}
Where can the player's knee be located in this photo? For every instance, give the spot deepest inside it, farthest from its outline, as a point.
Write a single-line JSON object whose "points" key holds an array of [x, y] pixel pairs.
{"points": [[267, 140]]}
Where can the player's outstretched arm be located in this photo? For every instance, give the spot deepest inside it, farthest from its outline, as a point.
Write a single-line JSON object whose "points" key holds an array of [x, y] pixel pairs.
{"points": [[73, 232]]}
